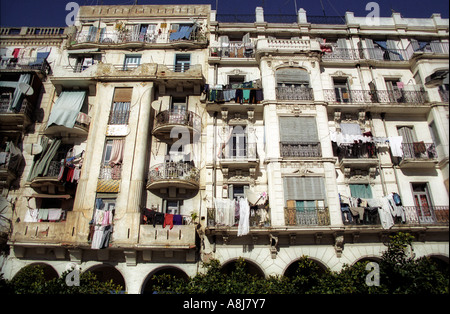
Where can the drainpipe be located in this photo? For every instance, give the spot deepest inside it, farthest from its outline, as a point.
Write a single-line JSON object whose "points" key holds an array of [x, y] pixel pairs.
{"points": [[382, 115]]}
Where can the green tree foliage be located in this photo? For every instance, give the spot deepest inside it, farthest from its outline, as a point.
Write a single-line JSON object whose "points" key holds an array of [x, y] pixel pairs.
{"points": [[399, 273], [31, 280]]}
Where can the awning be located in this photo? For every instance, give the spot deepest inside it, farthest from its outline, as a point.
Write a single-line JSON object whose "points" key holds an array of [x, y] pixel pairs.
{"points": [[437, 78], [63, 196], [66, 108], [83, 51]]}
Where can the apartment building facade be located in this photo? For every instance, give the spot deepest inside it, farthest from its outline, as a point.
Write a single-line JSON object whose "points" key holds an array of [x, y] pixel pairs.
{"points": [[167, 137]]}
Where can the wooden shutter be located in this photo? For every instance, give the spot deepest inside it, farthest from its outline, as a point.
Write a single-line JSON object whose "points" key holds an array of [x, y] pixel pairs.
{"points": [[292, 76], [122, 94], [304, 188], [298, 129]]}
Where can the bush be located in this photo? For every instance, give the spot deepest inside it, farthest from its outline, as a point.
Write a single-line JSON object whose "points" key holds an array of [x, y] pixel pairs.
{"points": [[399, 273], [31, 280]]}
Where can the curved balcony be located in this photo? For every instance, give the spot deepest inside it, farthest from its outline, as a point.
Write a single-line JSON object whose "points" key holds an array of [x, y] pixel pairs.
{"points": [[166, 120], [174, 180]]}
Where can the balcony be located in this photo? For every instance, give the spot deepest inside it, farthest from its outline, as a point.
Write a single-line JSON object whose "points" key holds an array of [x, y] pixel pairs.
{"points": [[414, 215], [8, 168], [342, 54], [241, 157], [258, 219], [397, 96], [129, 39], [50, 178], [174, 180], [234, 52], [286, 46], [308, 216], [300, 149], [435, 215], [179, 237], [294, 93], [39, 232], [39, 66], [12, 120], [356, 155], [166, 120], [418, 155], [80, 129]]}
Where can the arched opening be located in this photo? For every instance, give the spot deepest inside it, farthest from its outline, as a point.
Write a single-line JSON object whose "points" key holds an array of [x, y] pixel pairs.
{"points": [[316, 266], [105, 273], [250, 268], [49, 272], [368, 259], [441, 262], [148, 287]]}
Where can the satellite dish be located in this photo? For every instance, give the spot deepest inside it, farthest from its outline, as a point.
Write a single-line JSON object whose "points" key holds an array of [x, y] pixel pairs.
{"points": [[25, 88]]}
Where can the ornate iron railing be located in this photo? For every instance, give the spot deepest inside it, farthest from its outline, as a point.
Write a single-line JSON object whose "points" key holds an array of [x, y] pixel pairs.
{"points": [[356, 150], [300, 149], [343, 54], [308, 216], [188, 118], [339, 95], [419, 150], [255, 219], [174, 171], [294, 93], [247, 151], [426, 214]]}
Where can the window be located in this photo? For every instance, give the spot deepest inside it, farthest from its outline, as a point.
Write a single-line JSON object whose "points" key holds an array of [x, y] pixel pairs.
{"points": [[236, 79], [120, 109], [361, 191], [238, 143], [172, 207], [178, 105], [304, 189], [182, 62], [409, 138], [237, 191], [131, 62], [111, 167], [107, 152], [299, 137], [434, 133], [341, 90], [422, 201]]}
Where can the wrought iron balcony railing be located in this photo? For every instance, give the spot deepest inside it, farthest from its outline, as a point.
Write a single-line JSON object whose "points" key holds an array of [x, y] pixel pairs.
{"points": [[356, 150], [247, 151], [255, 219], [174, 171], [308, 216], [427, 214], [339, 95], [234, 50], [294, 93], [171, 117], [300, 149], [419, 150]]}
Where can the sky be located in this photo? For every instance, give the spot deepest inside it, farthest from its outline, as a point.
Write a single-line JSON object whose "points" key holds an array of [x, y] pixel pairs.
{"points": [[51, 13]]}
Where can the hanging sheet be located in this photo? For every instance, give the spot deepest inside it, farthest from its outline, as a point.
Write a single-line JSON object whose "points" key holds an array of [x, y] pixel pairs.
{"points": [[66, 108]]}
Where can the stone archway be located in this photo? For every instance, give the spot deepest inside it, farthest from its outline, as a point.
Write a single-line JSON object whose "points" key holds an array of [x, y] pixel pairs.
{"points": [[49, 272], [291, 269], [105, 273], [147, 287], [251, 268]]}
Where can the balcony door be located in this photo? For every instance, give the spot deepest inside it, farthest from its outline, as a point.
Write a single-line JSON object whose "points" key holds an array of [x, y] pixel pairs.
{"points": [[409, 138], [182, 62], [422, 201], [238, 145], [341, 90]]}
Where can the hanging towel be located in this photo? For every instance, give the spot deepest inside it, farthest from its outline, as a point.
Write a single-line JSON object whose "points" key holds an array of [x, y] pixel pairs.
{"points": [[31, 215], [43, 214], [54, 214], [177, 220], [168, 220]]}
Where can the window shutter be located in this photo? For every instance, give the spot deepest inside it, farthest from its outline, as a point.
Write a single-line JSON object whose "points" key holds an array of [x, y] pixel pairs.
{"points": [[304, 188], [122, 94], [298, 129], [292, 76]]}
